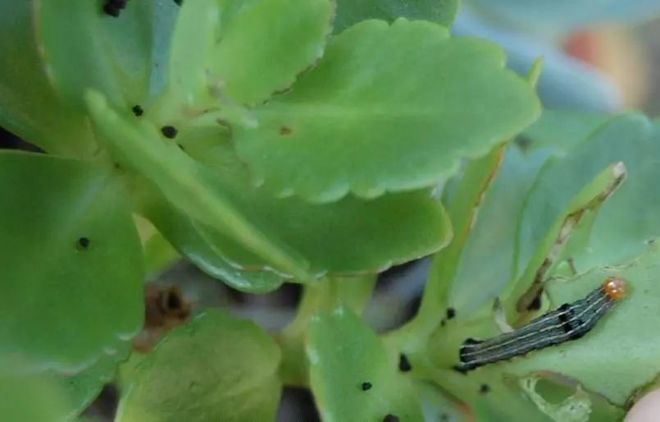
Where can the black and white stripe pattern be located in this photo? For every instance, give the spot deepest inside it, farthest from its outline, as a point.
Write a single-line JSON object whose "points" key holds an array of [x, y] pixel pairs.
{"points": [[568, 322]]}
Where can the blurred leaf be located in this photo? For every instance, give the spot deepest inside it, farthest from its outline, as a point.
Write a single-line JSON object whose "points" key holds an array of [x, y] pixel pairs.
{"points": [[159, 254], [561, 130], [350, 12], [352, 375], [624, 341], [226, 46], [115, 52], [29, 107], [352, 124], [213, 369], [564, 15], [70, 257], [30, 398]]}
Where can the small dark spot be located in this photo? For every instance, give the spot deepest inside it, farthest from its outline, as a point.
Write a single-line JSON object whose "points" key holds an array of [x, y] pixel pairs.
{"points": [[523, 142], [181, 147], [137, 110], [535, 304], [169, 131], [178, 2], [485, 388], [443, 322], [83, 243], [451, 313], [390, 418], [366, 386], [285, 131], [404, 363], [116, 165], [114, 7], [444, 417]]}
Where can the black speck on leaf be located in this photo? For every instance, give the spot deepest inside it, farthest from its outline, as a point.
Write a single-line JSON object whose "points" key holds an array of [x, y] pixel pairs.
{"points": [[83, 243], [366, 386], [451, 313], [404, 363], [137, 110], [390, 418], [169, 131]]}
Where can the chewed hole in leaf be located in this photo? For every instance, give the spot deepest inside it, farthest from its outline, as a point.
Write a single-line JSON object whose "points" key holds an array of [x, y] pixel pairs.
{"points": [[574, 408]]}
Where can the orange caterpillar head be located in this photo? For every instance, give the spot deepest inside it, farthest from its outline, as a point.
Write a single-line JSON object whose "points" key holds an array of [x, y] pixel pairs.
{"points": [[615, 288]]}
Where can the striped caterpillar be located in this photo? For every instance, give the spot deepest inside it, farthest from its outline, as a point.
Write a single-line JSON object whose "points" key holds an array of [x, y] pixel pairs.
{"points": [[568, 322]]}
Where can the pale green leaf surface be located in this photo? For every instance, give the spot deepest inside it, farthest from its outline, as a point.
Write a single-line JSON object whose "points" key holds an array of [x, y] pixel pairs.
{"points": [[625, 341], [226, 46], [215, 368], [350, 12], [62, 299], [388, 108], [31, 398], [86, 48], [343, 353], [29, 107]]}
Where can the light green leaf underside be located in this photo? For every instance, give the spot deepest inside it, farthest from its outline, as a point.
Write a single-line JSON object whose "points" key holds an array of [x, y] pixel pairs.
{"points": [[30, 398], [55, 289], [388, 108], [350, 12], [624, 341], [86, 48], [343, 353], [29, 107], [215, 368], [237, 50]]}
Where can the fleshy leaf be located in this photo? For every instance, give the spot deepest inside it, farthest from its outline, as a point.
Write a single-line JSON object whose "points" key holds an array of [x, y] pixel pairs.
{"points": [[264, 232], [350, 12], [353, 375], [388, 108], [213, 369], [463, 208], [548, 247], [29, 107], [70, 257], [86, 48], [31, 398], [224, 46], [624, 341], [184, 234]]}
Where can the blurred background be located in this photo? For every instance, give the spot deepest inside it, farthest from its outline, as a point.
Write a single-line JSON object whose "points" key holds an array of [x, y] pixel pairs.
{"points": [[599, 56]]}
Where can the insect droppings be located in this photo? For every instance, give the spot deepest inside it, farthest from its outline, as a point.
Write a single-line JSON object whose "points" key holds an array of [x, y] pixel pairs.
{"points": [[366, 386], [169, 132], [404, 363], [137, 110]]}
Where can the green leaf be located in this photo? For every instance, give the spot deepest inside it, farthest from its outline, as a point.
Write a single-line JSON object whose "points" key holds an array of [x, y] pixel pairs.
{"points": [[30, 398], [463, 209], [225, 46], [181, 231], [352, 375], [350, 12], [29, 107], [627, 220], [548, 246], [86, 48], [388, 108], [250, 228], [213, 369], [70, 257], [624, 341]]}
